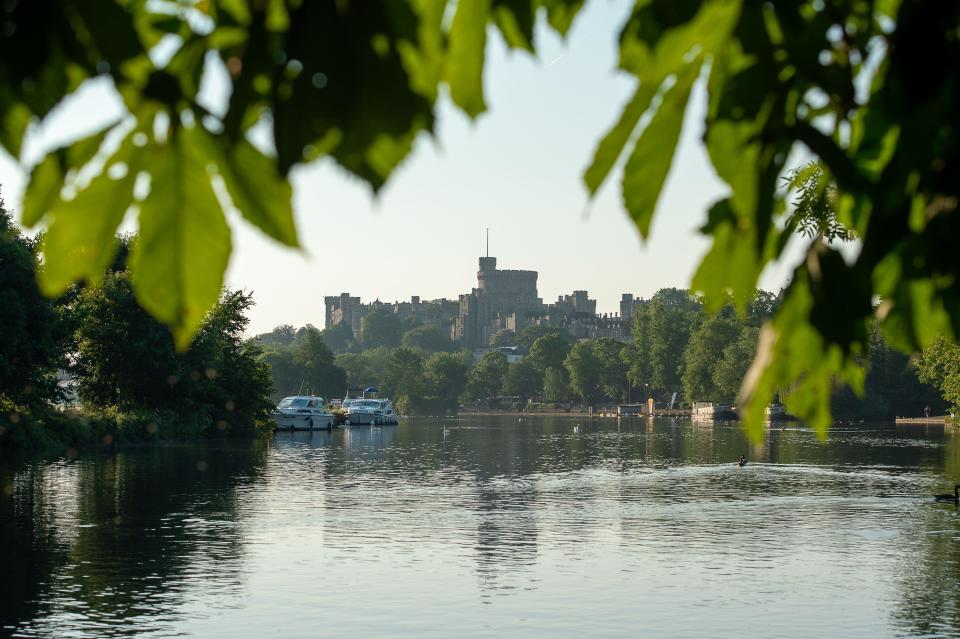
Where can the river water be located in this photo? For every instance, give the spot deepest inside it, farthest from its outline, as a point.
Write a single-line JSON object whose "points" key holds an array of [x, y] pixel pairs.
{"points": [[494, 528]]}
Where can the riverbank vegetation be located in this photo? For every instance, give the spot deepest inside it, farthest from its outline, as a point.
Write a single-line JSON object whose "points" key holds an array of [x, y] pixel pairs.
{"points": [[93, 368], [679, 353]]}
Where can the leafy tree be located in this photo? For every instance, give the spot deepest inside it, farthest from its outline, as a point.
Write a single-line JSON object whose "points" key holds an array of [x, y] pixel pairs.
{"points": [[704, 353], [585, 371], [358, 369], [403, 378], [380, 328], [446, 377], [673, 313], [320, 373], [524, 380], [29, 347], [282, 335], [613, 372], [549, 351], [555, 387], [428, 338], [126, 359], [487, 377], [638, 355], [728, 373], [939, 365], [338, 338], [850, 81], [532, 333], [504, 337]]}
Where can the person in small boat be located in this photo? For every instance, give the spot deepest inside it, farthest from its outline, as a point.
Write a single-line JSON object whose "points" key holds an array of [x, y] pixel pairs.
{"points": [[743, 461]]}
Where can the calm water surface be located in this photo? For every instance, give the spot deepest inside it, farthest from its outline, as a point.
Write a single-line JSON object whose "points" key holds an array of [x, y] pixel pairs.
{"points": [[494, 528]]}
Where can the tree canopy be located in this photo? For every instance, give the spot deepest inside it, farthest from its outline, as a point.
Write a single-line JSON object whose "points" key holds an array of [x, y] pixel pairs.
{"points": [[868, 88]]}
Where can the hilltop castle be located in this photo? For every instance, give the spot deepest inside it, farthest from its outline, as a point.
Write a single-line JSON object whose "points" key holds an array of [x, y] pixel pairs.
{"points": [[502, 300]]}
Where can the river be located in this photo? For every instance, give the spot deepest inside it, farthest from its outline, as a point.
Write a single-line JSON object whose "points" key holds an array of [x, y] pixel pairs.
{"points": [[490, 527]]}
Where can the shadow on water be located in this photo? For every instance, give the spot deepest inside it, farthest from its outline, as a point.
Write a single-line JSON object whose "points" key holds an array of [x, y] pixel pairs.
{"points": [[653, 514]]}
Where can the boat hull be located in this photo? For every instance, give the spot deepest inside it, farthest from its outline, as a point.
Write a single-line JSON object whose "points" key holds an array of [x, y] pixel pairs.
{"points": [[369, 419], [304, 422]]}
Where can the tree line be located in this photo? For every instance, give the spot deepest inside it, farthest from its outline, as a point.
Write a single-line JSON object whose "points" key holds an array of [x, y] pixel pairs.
{"points": [[679, 352]]}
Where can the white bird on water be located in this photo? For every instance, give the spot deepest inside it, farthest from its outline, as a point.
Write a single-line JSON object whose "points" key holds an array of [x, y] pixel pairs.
{"points": [[576, 428]]}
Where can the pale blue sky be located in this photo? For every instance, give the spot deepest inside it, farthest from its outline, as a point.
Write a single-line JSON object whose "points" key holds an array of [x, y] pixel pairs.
{"points": [[515, 170]]}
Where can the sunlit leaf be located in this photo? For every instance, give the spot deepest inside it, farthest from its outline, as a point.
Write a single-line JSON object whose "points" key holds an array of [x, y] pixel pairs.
{"points": [[464, 69], [181, 252], [647, 168]]}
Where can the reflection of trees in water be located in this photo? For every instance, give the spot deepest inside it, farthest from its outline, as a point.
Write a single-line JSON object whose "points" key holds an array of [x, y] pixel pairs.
{"points": [[506, 536], [142, 527], [928, 578]]}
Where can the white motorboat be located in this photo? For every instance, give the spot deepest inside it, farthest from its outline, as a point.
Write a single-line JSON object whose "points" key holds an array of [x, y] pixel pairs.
{"points": [[708, 412], [302, 412], [366, 411]]}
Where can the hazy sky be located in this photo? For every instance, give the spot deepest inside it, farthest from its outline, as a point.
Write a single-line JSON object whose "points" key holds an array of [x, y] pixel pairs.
{"points": [[515, 170]]}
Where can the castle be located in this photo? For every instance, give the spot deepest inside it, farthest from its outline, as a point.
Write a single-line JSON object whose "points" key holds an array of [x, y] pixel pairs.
{"points": [[502, 300]]}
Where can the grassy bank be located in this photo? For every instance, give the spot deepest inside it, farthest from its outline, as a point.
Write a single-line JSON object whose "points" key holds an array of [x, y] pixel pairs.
{"points": [[50, 431]]}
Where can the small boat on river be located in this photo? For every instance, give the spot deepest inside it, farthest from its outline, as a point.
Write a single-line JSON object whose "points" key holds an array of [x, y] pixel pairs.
{"points": [[302, 412], [708, 412]]}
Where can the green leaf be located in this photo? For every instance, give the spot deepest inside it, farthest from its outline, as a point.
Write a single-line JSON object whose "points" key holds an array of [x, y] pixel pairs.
{"points": [[647, 168], [611, 146], [80, 242], [464, 70], [258, 190], [731, 264], [47, 177], [423, 59], [515, 20], [179, 258], [13, 125], [561, 13]]}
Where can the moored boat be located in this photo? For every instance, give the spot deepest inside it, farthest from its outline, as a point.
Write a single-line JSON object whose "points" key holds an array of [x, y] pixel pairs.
{"points": [[301, 412], [708, 411], [371, 412]]}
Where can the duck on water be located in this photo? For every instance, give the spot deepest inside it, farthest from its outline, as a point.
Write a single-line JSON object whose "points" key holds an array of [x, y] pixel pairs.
{"points": [[955, 497]]}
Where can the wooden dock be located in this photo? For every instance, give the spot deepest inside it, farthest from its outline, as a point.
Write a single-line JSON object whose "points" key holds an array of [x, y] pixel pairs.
{"points": [[938, 420]]}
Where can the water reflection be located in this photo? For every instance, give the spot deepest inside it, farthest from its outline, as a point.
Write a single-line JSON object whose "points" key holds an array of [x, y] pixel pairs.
{"points": [[492, 526]]}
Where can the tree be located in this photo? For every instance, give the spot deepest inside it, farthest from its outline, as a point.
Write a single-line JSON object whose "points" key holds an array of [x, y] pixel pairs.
{"points": [[504, 337], [939, 365], [446, 377], [704, 353], [380, 328], [585, 371], [280, 336], [29, 348], [487, 377], [428, 338], [358, 370], [555, 388], [320, 373], [673, 313], [728, 373], [338, 338], [549, 351], [849, 81], [403, 378], [127, 359], [613, 370], [524, 380], [638, 355], [814, 212], [532, 333]]}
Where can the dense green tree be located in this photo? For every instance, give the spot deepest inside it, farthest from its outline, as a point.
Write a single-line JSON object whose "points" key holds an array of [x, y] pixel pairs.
{"points": [[282, 335], [29, 346], [524, 380], [338, 338], [729, 372], [487, 377], [358, 369], [585, 371], [126, 359], [613, 373], [638, 355], [704, 353], [549, 351], [532, 333], [504, 337], [673, 315], [404, 379], [555, 387], [381, 327], [939, 366], [429, 339], [321, 375], [446, 377]]}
